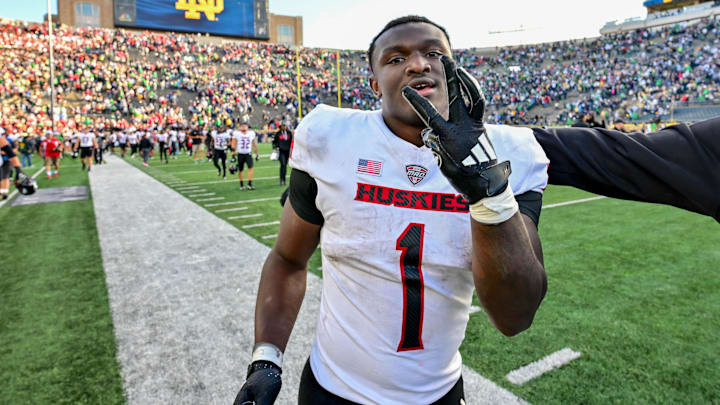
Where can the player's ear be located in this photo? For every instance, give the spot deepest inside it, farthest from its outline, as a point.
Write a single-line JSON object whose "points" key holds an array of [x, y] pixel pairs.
{"points": [[375, 86]]}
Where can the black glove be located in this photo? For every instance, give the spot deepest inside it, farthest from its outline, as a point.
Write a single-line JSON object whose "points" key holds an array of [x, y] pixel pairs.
{"points": [[257, 157], [262, 385], [461, 145]]}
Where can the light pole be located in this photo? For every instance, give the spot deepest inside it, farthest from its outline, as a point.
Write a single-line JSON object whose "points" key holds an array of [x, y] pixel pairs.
{"points": [[52, 67]]}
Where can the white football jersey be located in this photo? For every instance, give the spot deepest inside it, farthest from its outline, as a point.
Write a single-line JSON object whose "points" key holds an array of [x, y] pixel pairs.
{"points": [[86, 139], [244, 141], [396, 255], [221, 140], [161, 137], [122, 137], [133, 137]]}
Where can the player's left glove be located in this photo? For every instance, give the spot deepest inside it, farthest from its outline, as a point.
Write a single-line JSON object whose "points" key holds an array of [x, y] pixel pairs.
{"points": [[463, 150]]}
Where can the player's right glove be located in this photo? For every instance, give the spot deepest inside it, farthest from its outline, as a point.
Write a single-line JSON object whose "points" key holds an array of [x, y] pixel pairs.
{"points": [[262, 385]]}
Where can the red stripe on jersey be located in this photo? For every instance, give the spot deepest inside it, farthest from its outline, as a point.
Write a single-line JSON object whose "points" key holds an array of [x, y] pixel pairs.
{"points": [[418, 200]]}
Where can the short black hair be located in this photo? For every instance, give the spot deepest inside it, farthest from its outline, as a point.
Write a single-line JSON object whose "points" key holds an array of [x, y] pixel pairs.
{"points": [[400, 21]]}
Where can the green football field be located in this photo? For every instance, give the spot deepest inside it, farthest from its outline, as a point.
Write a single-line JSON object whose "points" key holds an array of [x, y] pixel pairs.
{"points": [[632, 287]]}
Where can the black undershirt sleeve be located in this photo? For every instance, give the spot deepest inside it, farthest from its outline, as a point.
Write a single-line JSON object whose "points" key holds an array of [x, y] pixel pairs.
{"points": [[530, 204], [303, 190], [679, 165]]}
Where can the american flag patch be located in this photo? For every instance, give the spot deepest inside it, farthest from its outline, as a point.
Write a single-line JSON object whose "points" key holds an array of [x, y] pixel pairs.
{"points": [[367, 166]]}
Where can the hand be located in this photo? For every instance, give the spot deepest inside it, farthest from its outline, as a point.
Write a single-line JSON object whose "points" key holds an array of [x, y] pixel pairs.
{"points": [[262, 385], [461, 146], [257, 157]]}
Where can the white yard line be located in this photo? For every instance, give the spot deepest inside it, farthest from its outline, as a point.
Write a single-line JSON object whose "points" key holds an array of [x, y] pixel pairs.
{"points": [[194, 190], [201, 195], [231, 209], [562, 204], [246, 216], [212, 199], [536, 369], [261, 224], [11, 195], [270, 236], [233, 180], [214, 170], [474, 309], [243, 201]]}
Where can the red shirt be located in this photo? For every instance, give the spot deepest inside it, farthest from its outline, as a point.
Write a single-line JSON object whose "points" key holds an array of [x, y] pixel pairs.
{"points": [[52, 146]]}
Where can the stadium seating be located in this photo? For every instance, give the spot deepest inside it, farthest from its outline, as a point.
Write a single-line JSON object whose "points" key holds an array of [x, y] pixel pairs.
{"points": [[121, 78]]}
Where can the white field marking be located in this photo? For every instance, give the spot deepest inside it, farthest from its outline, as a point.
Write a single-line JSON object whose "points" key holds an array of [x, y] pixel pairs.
{"points": [[536, 369], [10, 197], [198, 190], [212, 199], [230, 180], [214, 170], [261, 224], [231, 209], [186, 187], [243, 201], [269, 236], [600, 197], [201, 195], [474, 309], [246, 216]]}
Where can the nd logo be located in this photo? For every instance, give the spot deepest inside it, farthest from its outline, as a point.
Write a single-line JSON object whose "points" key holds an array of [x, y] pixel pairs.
{"points": [[193, 8]]}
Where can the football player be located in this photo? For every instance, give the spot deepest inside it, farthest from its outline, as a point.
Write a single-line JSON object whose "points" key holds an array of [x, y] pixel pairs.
{"points": [[162, 140], [220, 141], [87, 143], [419, 204], [243, 143], [8, 161]]}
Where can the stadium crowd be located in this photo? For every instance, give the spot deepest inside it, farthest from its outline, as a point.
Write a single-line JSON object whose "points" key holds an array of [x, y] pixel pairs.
{"points": [[121, 79]]}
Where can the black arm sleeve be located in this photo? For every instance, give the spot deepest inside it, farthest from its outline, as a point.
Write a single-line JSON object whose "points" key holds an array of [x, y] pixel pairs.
{"points": [[679, 165], [530, 204], [303, 190], [8, 150]]}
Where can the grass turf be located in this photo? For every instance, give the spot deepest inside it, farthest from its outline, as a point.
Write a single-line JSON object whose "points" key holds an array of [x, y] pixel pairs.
{"points": [[632, 286], [56, 336]]}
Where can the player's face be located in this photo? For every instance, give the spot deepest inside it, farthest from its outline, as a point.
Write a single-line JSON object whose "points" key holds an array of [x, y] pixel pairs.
{"points": [[409, 55]]}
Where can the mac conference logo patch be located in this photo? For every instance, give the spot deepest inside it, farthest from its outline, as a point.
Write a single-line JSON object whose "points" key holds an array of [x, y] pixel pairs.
{"points": [[415, 173]]}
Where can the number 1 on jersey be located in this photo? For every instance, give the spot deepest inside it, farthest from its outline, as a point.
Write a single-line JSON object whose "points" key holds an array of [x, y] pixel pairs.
{"points": [[410, 243]]}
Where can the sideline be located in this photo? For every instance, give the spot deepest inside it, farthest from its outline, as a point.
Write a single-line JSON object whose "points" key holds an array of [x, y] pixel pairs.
{"points": [[183, 314]]}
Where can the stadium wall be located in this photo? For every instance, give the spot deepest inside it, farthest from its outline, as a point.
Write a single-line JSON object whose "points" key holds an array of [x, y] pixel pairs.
{"points": [[66, 12]]}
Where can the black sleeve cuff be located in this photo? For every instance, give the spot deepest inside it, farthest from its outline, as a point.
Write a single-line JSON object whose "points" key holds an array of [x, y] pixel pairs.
{"points": [[530, 204], [303, 190]]}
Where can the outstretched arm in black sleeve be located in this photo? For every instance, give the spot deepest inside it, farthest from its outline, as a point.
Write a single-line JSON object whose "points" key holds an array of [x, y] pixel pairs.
{"points": [[679, 165]]}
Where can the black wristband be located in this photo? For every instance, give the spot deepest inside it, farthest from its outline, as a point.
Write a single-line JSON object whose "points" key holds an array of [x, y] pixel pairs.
{"points": [[262, 365]]}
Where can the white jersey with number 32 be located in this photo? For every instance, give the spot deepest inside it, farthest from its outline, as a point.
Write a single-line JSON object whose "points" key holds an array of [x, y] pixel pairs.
{"points": [[244, 141], [396, 255]]}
